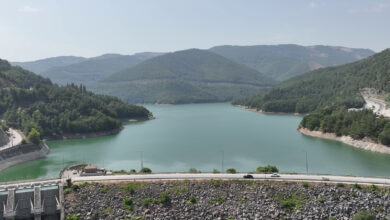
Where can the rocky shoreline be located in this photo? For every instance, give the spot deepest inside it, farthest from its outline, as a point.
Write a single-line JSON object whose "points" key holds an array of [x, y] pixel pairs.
{"points": [[365, 143], [263, 112], [229, 199]]}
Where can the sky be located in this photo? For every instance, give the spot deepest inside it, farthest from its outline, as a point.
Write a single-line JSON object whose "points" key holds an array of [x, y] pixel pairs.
{"points": [[36, 29]]}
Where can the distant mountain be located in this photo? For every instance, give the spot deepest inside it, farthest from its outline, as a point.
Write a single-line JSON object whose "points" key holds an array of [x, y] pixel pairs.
{"points": [[94, 68], [183, 77], [282, 62], [331, 86], [30, 101], [40, 66]]}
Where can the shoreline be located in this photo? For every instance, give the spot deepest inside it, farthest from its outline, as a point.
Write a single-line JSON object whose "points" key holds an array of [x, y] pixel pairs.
{"points": [[267, 113], [364, 144], [70, 136]]}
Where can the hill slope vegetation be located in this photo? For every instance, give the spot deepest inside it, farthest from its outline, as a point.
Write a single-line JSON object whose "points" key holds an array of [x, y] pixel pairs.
{"points": [[183, 77], [40, 66], [29, 101], [330, 86], [282, 62]]}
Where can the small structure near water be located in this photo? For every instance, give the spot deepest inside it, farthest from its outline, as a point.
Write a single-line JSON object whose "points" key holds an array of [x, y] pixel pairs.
{"points": [[93, 171]]}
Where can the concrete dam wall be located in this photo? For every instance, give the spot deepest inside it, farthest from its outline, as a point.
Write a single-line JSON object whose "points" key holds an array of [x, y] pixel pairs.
{"points": [[22, 153]]}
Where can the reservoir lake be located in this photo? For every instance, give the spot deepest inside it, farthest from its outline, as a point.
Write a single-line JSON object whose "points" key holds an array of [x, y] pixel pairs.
{"points": [[207, 137]]}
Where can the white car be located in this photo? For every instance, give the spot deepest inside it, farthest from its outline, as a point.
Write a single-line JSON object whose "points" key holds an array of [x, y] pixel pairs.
{"points": [[74, 172], [275, 175]]}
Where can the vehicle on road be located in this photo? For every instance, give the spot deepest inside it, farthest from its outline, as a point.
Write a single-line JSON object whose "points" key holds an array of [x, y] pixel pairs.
{"points": [[275, 175], [74, 172], [248, 176]]}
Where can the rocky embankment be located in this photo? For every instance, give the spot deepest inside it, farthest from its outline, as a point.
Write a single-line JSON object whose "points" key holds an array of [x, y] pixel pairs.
{"points": [[226, 200], [365, 143]]}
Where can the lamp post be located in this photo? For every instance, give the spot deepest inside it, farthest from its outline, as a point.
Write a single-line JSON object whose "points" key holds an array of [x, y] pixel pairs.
{"points": [[307, 164]]}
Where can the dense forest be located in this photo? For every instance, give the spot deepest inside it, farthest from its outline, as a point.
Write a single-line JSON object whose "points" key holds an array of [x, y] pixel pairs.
{"points": [[188, 76], [28, 101], [281, 62], [357, 124], [330, 86]]}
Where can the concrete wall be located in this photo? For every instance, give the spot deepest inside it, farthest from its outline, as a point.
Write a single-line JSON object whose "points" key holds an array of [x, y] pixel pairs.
{"points": [[3, 138], [23, 199], [22, 153]]}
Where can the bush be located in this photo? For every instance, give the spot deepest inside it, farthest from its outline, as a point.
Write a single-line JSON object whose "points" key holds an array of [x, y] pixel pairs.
{"points": [[218, 200], [216, 171], [131, 187], [132, 171], [305, 184], [72, 217], [193, 170], [365, 215], [127, 204], [216, 183], [356, 186], [145, 170], [231, 170], [67, 191], [104, 190], [34, 136], [340, 185], [267, 169], [69, 182], [288, 204], [75, 187], [320, 200], [146, 202], [164, 198], [373, 188], [191, 200]]}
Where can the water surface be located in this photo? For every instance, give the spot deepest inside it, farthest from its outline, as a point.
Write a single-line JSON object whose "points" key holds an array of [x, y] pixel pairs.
{"points": [[204, 136]]}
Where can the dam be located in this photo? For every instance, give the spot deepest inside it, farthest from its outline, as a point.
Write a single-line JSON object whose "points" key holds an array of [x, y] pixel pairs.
{"points": [[39, 200]]}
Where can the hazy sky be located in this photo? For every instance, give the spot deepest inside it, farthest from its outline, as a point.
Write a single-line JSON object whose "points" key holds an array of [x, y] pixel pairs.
{"points": [[36, 29]]}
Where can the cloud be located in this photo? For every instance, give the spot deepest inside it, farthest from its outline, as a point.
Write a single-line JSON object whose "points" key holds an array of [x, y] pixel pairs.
{"points": [[29, 9]]}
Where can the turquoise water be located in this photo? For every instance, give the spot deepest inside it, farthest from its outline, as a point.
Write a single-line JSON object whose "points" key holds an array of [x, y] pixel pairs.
{"points": [[199, 136]]}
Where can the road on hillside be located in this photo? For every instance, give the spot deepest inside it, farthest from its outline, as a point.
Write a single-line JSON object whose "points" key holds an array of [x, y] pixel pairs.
{"points": [[15, 139]]}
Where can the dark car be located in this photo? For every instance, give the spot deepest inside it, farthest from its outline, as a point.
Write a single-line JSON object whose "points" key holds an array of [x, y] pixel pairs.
{"points": [[248, 176]]}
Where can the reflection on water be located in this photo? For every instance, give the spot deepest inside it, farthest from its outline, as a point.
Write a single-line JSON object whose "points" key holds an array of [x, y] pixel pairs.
{"points": [[200, 136]]}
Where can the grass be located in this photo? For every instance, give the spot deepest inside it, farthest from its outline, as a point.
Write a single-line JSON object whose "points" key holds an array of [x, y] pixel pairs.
{"points": [[241, 201], [179, 189], [104, 189], [127, 204], [356, 186], [146, 202], [305, 184], [72, 217], [191, 200], [364, 215], [68, 190], [216, 183], [164, 198], [373, 188], [292, 201], [218, 200], [131, 187], [320, 200], [108, 210], [340, 184]]}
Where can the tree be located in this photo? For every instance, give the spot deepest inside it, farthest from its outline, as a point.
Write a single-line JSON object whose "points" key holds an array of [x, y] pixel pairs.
{"points": [[34, 136], [145, 170], [384, 136], [231, 170]]}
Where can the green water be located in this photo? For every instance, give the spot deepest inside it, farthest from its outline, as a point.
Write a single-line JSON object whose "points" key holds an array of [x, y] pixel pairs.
{"points": [[197, 135]]}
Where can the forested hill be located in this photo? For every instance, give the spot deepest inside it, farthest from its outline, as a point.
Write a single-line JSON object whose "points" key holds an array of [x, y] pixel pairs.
{"points": [[328, 86], [96, 68], [42, 65], [29, 101], [184, 77], [282, 62]]}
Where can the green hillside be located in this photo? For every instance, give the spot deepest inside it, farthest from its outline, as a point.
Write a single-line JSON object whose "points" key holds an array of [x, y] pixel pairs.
{"points": [[325, 87], [282, 62], [29, 101], [40, 66], [183, 77]]}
